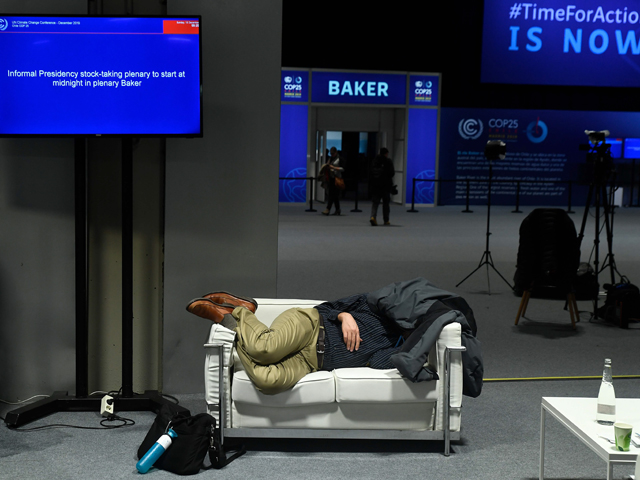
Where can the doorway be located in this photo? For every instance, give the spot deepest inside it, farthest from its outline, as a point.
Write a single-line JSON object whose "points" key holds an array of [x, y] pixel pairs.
{"points": [[358, 133], [357, 151]]}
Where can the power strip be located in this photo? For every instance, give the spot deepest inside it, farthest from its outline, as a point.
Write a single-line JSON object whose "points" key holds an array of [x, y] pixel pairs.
{"points": [[106, 406]]}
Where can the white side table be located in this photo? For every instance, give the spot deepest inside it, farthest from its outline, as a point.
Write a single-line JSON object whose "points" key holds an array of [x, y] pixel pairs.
{"points": [[578, 416]]}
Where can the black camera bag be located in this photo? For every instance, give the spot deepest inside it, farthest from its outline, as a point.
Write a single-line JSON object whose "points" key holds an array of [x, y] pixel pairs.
{"points": [[197, 435]]}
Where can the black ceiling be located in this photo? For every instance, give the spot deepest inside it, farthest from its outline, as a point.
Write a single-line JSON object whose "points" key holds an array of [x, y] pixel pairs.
{"points": [[422, 36]]}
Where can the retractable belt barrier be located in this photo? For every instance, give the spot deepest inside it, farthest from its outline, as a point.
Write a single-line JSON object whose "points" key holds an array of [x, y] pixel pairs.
{"points": [[468, 189]]}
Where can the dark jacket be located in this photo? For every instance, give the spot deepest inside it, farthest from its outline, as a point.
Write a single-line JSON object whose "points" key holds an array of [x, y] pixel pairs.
{"points": [[549, 250], [382, 171], [420, 307]]}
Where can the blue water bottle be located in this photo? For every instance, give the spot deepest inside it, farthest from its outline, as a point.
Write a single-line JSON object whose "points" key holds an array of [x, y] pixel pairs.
{"points": [[153, 454]]}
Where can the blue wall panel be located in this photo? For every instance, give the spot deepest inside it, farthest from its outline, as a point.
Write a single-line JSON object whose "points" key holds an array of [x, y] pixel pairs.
{"points": [[294, 120]]}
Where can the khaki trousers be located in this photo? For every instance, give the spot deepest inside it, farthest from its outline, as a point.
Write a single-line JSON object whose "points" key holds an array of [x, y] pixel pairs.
{"points": [[276, 357]]}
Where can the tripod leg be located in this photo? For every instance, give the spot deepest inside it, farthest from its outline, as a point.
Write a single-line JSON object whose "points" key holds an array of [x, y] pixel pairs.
{"points": [[608, 221], [482, 262], [573, 310], [496, 270], [585, 215]]}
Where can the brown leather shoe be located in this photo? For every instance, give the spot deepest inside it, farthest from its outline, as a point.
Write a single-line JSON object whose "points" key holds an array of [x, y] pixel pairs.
{"points": [[231, 299], [205, 308]]}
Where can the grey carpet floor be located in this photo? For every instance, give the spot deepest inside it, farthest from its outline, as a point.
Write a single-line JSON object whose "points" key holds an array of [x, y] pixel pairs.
{"points": [[329, 257]]}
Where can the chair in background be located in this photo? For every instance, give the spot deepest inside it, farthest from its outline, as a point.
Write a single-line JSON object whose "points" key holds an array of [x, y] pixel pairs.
{"points": [[548, 258]]}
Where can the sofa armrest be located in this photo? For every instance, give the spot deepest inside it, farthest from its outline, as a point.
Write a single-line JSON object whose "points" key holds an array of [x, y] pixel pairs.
{"points": [[448, 348], [219, 351]]}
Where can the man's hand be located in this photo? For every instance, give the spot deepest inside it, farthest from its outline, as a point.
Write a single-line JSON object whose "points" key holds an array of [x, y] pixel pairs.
{"points": [[350, 331]]}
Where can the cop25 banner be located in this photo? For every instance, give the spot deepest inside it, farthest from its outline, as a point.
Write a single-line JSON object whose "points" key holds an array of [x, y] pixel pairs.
{"points": [[555, 42], [294, 86], [294, 120], [543, 153]]}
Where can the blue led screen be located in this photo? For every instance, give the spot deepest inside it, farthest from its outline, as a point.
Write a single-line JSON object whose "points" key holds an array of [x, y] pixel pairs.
{"points": [[632, 148], [586, 42], [100, 76]]}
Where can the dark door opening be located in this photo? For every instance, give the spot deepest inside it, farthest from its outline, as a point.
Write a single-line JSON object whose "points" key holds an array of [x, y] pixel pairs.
{"points": [[357, 151]]}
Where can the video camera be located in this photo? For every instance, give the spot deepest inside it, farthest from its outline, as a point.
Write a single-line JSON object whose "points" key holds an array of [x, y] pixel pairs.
{"points": [[598, 154]]}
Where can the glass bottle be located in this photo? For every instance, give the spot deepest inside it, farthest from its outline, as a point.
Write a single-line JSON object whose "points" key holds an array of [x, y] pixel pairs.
{"points": [[606, 413]]}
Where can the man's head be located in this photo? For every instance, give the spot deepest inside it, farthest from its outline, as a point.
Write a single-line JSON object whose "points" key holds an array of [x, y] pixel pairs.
{"points": [[333, 152], [384, 151]]}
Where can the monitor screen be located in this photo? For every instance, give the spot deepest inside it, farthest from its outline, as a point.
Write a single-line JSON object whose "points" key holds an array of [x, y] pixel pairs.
{"points": [[631, 148], [86, 75], [616, 147]]}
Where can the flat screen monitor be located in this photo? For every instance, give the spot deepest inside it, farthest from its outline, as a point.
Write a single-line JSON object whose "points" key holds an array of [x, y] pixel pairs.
{"points": [[616, 147], [632, 148], [85, 76]]}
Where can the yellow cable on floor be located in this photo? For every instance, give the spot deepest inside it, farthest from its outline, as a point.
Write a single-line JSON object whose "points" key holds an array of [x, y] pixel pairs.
{"points": [[588, 377]]}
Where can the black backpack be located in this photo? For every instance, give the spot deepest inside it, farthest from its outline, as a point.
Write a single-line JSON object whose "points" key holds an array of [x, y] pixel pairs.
{"points": [[621, 305], [377, 169]]}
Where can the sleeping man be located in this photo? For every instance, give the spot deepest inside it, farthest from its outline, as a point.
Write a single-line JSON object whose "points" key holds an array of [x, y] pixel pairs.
{"points": [[362, 330]]}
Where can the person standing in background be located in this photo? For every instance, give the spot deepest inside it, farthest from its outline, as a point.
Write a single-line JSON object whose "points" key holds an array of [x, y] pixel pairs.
{"points": [[332, 170], [380, 185]]}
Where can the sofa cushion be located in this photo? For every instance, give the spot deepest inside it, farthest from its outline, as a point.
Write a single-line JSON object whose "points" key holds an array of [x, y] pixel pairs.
{"points": [[357, 385], [314, 389]]}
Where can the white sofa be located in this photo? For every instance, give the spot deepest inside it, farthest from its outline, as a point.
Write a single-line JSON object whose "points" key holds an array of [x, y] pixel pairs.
{"points": [[344, 403]]}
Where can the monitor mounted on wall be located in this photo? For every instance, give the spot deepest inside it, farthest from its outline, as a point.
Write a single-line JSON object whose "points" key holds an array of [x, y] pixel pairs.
{"points": [[631, 148], [94, 76]]}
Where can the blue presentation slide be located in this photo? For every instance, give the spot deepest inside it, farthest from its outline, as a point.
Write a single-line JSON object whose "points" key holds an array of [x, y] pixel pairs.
{"points": [[586, 42], [100, 75]]}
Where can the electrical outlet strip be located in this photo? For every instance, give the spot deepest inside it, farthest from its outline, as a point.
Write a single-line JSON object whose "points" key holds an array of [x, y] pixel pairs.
{"points": [[106, 406]]}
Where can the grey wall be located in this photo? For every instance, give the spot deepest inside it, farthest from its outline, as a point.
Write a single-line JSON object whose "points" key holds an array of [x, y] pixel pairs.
{"points": [[37, 276], [221, 217], [221, 190]]}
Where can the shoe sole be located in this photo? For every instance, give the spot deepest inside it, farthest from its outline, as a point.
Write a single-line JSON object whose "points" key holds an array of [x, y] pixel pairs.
{"points": [[245, 299], [194, 304]]}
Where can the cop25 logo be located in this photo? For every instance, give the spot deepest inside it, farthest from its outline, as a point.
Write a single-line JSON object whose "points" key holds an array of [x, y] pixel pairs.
{"points": [[3, 24], [427, 84], [470, 128], [537, 131]]}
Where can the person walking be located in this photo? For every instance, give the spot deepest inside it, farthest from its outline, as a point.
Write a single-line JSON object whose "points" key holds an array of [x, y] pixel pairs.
{"points": [[332, 170], [380, 185]]}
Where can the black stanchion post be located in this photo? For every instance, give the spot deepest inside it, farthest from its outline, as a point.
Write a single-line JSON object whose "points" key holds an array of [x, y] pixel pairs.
{"points": [[633, 181], [517, 210], [356, 209], [466, 210], [413, 197], [569, 193], [310, 209]]}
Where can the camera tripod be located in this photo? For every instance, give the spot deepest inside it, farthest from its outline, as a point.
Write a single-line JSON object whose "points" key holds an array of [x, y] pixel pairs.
{"points": [[486, 258], [601, 199]]}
